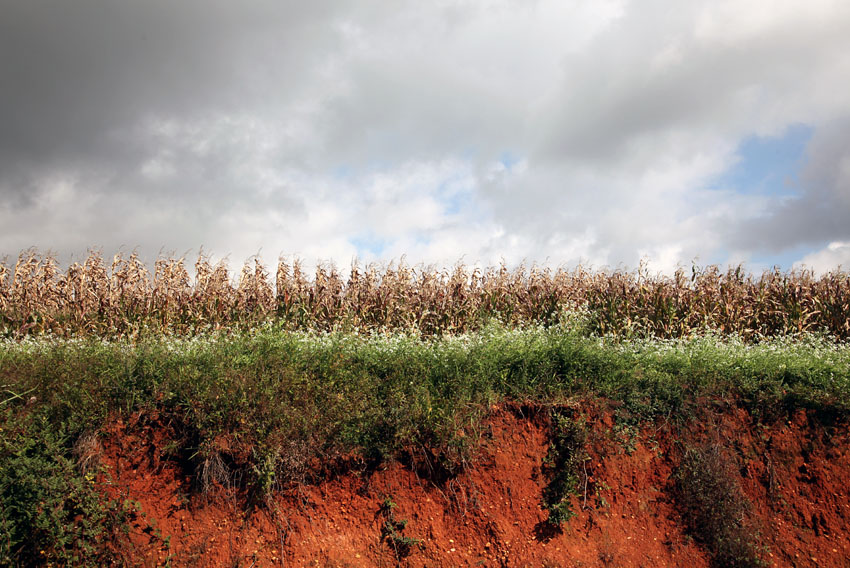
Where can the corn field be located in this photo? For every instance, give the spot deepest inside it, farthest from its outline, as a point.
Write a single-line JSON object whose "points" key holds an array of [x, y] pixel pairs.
{"points": [[123, 298]]}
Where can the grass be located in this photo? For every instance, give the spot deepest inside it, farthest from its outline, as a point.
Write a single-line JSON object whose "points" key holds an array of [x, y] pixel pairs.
{"points": [[262, 406]]}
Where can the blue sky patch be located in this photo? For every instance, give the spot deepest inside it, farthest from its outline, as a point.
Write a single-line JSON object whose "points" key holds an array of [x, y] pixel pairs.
{"points": [[784, 259], [369, 243], [509, 159], [769, 165], [455, 194], [453, 204]]}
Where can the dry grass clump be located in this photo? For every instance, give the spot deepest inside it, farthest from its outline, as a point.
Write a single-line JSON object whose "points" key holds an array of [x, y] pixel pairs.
{"points": [[123, 298], [715, 508]]}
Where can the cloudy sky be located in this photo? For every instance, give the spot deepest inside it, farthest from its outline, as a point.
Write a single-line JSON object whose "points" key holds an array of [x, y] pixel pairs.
{"points": [[559, 132]]}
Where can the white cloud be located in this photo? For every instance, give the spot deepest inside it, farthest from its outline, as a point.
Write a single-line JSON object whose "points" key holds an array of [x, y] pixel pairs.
{"points": [[827, 259]]}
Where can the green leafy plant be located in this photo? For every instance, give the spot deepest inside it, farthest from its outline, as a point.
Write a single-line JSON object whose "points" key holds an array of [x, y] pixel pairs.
{"points": [[50, 510], [392, 529], [562, 465]]}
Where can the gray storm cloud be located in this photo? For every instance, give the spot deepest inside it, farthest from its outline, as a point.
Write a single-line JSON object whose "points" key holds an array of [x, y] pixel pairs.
{"points": [[551, 131], [821, 210]]}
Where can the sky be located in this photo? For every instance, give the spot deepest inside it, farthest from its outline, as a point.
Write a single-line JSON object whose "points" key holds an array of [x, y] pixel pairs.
{"points": [[599, 132]]}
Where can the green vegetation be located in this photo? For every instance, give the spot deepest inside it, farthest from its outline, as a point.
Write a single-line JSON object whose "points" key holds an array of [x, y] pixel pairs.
{"points": [[392, 530], [49, 506], [285, 400], [562, 465]]}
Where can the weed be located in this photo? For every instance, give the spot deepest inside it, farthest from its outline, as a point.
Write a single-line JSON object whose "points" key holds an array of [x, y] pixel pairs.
{"points": [[627, 434], [599, 489], [392, 529], [563, 464]]}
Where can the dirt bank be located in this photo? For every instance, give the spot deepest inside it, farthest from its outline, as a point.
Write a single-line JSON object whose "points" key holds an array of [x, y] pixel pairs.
{"points": [[628, 503]]}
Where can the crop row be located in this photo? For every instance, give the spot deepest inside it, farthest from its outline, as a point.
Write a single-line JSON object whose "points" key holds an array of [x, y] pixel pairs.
{"points": [[124, 298]]}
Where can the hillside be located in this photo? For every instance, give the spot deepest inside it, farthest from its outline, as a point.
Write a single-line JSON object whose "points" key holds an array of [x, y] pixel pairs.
{"points": [[515, 442]]}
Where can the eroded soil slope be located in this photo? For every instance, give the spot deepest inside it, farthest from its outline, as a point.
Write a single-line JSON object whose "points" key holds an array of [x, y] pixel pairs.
{"points": [[627, 502]]}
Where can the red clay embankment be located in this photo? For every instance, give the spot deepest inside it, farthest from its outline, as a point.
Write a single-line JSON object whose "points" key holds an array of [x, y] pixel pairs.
{"points": [[795, 474]]}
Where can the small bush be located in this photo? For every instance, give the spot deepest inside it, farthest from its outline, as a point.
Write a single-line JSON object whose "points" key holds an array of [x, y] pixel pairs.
{"points": [[715, 509], [392, 529], [562, 465], [51, 509]]}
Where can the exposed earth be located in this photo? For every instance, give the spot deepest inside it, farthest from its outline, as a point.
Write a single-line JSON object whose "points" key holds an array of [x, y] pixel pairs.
{"points": [[411, 512]]}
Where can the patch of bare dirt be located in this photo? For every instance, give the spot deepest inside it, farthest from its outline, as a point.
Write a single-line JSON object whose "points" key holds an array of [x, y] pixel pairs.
{"points": [[795, 474]]}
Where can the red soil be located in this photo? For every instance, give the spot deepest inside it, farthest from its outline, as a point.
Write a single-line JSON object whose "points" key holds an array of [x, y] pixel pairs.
{"points": [[795, 473]]}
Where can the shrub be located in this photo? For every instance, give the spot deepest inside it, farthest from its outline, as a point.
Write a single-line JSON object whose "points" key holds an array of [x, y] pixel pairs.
{"points": [[51, 509], [715, 509], [562, 465]]}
